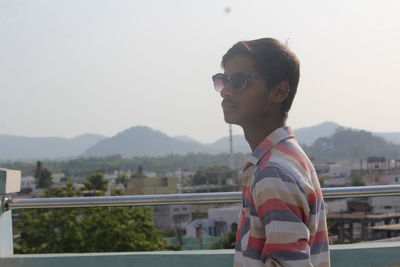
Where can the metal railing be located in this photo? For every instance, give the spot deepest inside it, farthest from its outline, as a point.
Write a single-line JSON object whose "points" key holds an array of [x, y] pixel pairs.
{"points": [[173, 199]]}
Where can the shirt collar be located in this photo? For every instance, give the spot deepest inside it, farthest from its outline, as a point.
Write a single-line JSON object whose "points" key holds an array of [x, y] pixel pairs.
{"points": [[269, 142]]}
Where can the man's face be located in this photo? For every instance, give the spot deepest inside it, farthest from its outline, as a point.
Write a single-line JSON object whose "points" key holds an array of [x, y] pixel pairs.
{"points": [[250, 105]]}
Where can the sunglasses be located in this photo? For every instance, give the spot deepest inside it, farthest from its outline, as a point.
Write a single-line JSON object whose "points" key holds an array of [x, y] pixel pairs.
{"points": [[238, 80]]}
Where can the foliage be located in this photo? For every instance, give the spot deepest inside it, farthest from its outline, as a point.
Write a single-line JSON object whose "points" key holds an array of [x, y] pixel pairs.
{"points": [[96, 181], [139, 172], [80, 230], [84, 166], [43, 176], [226, 242], [357, 179], [122, 179]]}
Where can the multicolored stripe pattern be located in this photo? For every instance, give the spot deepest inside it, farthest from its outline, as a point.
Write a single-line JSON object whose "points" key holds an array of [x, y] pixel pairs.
{"points": [[282, 221]]}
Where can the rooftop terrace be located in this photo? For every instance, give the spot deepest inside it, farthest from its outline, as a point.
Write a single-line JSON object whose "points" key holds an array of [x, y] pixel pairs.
{"points": [[360, 254]]}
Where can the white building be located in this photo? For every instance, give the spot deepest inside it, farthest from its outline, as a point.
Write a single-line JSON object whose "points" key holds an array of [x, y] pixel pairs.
{"points": [[172, 216], [221, 221], [149, 174], [385, 204], [28, 182], [178, 173], [344, 169], [336, 206], [337, 181], [111, 176], [57, 177], [384, 178]]}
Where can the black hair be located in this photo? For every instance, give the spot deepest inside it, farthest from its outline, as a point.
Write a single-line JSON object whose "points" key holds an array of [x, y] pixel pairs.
{"points": [[273, 59]]}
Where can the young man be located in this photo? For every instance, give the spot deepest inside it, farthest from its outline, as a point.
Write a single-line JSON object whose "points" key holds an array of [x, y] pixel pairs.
{"points": [[283, 221]]}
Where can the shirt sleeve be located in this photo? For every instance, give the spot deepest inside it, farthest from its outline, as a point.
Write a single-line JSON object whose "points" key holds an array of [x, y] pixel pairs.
{"points": [[283, 209]]}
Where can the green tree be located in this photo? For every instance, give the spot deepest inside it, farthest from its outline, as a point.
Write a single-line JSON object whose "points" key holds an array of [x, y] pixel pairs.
{"points": [[96, 181], [77, 230], [357, 179], [139, 172], [43, 176], [84, 166], [228, 241], [122, 179]]}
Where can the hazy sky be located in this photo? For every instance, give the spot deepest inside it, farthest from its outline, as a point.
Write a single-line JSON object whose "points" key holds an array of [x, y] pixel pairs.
{"points": [[74, 67]]}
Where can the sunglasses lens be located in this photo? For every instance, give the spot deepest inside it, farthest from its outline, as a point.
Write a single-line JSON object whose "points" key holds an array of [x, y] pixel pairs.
{"points": [[238, 81], [219, 83]]}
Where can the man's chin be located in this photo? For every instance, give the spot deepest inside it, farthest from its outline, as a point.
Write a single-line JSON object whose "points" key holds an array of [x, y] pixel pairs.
{"points": [[230, 119]]}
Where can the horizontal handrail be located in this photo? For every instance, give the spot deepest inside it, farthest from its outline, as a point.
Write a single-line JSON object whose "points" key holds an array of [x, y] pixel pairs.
{"points": [[136, 200], [173, 199], [361, 191]]}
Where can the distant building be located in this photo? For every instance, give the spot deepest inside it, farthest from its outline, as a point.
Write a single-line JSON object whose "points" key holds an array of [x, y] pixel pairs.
{"points": [[322, 168], [337, 181], [149, 174], [111, 176], [336, 205], [220, 221], [150, 186], [165, 217], [382, 205], [377, 164], [169, 217], [57, 177], [57, 180], [348, 205], [344, 169], [338, 174], [112, 184], [28, 182], [382, 178]]}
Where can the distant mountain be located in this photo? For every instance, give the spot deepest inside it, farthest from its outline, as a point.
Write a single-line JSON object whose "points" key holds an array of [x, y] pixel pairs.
{"points": [[23, 148], [391, 137], [348, 144], [187, 139], [240, 145], [144, 141], [308, 135]]}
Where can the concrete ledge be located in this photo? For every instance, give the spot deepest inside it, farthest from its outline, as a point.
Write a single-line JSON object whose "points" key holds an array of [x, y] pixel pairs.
{"points": [[200, 258], [354, 255], [366, 254]]}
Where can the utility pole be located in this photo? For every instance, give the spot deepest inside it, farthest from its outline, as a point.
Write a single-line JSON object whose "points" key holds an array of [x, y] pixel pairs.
{"points": [[231, 159]]}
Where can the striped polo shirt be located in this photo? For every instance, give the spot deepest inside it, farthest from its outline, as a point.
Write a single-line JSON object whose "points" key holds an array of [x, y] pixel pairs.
{"points": [[282, 221]]}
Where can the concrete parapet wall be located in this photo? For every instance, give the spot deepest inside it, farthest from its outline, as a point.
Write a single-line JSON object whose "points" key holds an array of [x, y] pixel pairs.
{"points": [[355, 255], [199, 258]]}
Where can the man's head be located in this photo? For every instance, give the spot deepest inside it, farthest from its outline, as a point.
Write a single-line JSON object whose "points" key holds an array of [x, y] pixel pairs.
{"points": [[274, 84]]}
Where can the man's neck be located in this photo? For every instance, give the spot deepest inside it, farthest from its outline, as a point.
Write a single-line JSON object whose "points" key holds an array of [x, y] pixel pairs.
{"points": [[255, 133]]}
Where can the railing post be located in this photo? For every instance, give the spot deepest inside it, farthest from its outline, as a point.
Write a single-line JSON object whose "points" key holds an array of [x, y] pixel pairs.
{"points": [[10, 182]]}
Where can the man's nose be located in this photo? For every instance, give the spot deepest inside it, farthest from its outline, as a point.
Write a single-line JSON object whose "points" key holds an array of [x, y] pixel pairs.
{"points": [[226, 91]]}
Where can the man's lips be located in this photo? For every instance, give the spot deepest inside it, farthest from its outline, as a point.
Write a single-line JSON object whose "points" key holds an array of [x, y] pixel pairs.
{"points": [[229, 103]]}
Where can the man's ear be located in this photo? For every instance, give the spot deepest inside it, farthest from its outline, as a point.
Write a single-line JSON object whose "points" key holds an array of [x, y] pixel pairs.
{"points": [[280, 92]]}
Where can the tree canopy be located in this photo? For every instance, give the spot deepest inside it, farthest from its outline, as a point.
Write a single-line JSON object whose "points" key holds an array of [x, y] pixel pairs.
{"points": [[77, 230], [96, 181], [43, 176], [84, 166], [228, 241]]}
